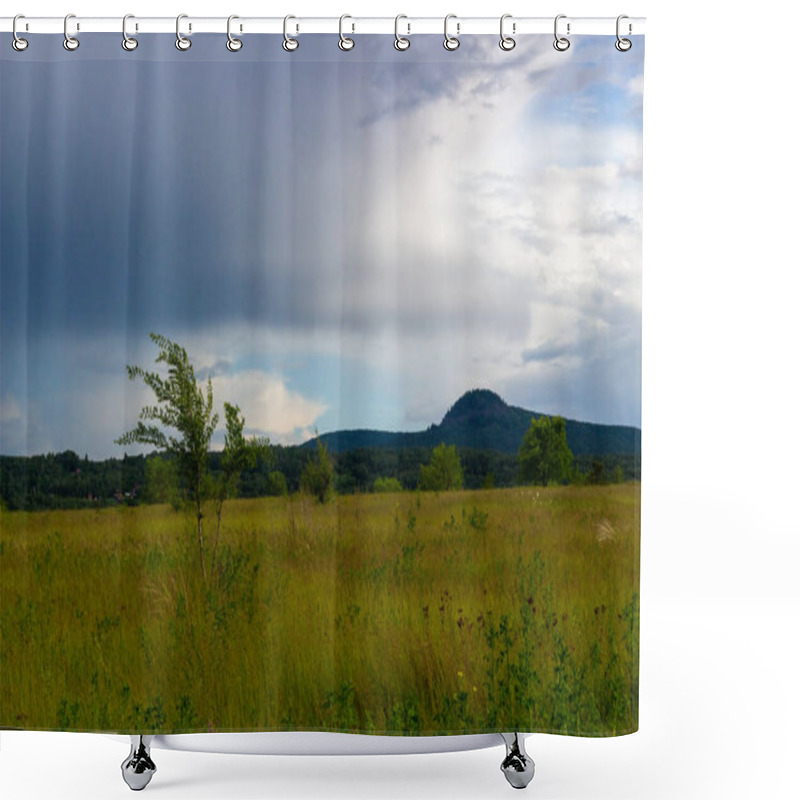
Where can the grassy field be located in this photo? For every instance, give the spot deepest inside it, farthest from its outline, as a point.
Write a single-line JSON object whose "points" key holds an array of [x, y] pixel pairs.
{"points": [[471, 611]]}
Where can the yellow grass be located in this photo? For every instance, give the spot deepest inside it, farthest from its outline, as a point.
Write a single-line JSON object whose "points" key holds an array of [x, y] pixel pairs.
{"points": [[472, 611]]}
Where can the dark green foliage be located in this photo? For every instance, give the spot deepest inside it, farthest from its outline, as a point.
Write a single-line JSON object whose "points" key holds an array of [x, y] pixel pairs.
{"points": [[276, 484], [600, 470], [357, 470], [39, 482], [61, 480], [340, 708], [404, 716], [317, 477], [544, 454], [444, 472], [291, 461]]}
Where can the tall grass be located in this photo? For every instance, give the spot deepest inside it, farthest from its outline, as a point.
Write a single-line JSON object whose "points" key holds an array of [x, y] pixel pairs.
{"points": [[504, 609]]}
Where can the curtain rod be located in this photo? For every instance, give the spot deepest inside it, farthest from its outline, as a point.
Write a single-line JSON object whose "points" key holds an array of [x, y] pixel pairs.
{"points": [[407, 25]]}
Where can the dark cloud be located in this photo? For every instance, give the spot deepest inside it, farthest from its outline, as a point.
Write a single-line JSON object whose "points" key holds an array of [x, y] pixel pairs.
{"points": [[138, 195], [160, 204]]}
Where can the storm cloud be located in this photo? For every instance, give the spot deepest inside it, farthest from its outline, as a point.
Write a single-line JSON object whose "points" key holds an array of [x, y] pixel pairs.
{"points": [[339, 240]]}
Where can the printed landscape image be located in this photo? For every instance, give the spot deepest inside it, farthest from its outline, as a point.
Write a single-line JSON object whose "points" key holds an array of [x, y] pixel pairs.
{"points": [[322, 421]]}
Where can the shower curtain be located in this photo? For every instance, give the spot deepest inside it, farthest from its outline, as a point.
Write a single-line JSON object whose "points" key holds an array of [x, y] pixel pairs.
{"points": [[320, 385]]}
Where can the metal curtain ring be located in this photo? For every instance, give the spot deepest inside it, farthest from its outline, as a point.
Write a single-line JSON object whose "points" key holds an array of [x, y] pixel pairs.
{"points": [[623, 45], [506, 42], [128, 42], [18, 43], [451, 42], [561, 43], [70, 42], [400, 42], [181, 42], [289, 44], [233, 44], [345, 43]]}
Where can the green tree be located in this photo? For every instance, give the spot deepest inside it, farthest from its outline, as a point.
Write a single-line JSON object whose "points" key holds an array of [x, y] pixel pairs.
{"points": [[596, 473], [186, 413], [544, 454], [384, 485], [317, 477], [276, 484], [239, 454], [444, 472], [161, 481]]}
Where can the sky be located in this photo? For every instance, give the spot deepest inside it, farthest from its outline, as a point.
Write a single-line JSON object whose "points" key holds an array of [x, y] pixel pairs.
{"points": [[339, 240]]}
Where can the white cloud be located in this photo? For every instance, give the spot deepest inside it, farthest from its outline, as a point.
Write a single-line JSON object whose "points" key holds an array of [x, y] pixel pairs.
{"points": [[268, 405]]}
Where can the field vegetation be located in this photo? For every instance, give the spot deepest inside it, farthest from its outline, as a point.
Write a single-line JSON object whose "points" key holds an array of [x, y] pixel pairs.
{"points": [[412, 612]]}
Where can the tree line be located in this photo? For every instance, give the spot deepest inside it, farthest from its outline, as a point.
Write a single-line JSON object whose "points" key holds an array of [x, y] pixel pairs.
{"points": [[68, 480], [182, 469]]}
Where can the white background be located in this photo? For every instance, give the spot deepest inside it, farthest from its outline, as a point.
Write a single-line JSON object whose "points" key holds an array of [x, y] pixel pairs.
{"points": [[720, 525]]}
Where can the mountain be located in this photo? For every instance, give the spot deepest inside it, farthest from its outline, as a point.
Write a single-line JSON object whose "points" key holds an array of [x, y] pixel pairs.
{"points": [[482, 420]]}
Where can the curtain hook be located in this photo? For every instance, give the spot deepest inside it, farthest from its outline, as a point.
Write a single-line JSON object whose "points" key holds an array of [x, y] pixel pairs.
{"points": [[451, 42], [289, 44], [561, 43], [181, 42], [233, 44], [70, 42], [18, 43], [129, 43], [345, 43], [400, 42], [623, 45], [506, 42]]}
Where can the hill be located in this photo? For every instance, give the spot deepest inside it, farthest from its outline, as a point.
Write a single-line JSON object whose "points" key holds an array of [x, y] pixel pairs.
{"points": [[480, 419], [486, 430]]}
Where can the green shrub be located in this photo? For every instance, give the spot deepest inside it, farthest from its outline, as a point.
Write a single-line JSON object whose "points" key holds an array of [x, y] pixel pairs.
{"points": [[387, 485]]}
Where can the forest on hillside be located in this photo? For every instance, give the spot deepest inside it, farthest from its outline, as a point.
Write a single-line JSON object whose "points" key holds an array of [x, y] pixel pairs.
{"points": [[67, 480]]}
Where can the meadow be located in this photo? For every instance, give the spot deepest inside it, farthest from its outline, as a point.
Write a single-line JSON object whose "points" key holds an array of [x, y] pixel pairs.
{"points": [[420, 613]]}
